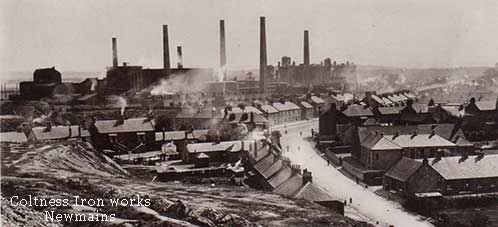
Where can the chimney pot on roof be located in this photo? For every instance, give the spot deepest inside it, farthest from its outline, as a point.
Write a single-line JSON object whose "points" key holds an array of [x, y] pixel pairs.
{"points": [[49, 127], [413, 135], [307, 177], [432, 134], [296, 169]]}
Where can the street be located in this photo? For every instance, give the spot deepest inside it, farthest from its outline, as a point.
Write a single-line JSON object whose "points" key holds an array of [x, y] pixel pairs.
{"points": [[366, 205]]}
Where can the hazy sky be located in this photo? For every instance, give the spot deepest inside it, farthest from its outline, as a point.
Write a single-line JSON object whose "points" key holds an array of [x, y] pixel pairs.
{"points": [[76, 35]]}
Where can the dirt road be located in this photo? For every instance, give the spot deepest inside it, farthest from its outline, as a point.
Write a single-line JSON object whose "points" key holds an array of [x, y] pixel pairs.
{"points": [[366, 205]]}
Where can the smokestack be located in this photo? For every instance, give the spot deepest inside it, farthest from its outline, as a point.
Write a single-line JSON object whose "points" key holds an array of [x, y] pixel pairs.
{"points": [[166, 65], [114, 52], [262, 54], [306, 48], [180, 57], [223, 54]]}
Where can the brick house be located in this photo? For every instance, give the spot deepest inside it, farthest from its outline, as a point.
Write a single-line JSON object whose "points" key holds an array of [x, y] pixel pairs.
{"points": [[446, 175]]}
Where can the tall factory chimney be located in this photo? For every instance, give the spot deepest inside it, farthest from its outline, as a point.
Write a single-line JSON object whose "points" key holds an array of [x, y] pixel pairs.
{"points": [[223, 54], [180, 57], [262, 54], [114, 52], [306, 48], [166, 51]]}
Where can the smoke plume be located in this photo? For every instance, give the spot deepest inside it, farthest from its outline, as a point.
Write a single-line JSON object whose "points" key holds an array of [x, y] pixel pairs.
{"points": [[179, 83]]}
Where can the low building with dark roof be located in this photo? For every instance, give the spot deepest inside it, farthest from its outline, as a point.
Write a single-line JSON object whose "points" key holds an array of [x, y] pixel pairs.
{"points": [[133, 135], [307, 111], [318, 103], [446, 175], [279, 175], [58, 132]]}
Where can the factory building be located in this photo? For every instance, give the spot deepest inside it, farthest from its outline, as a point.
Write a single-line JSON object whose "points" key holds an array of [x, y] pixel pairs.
{"points": [[45, 81], [120, 79]]}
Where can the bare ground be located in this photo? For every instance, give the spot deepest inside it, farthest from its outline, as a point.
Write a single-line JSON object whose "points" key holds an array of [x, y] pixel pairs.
{"points": [[71, 168]]}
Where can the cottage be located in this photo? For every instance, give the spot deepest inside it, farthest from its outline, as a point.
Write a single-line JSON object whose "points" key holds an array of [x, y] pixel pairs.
{"points": [[358, 113], [272, 114], [446, 175], [381, 151], [307, 111], [377, 148], [58, 132], [251, 119], [318, 103], [133, 135], [288, 111], [417, 141]]}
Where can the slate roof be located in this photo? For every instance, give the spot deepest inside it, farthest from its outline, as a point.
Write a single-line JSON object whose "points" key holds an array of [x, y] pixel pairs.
{"points": [[257, 118], [486, 105], [285, 107], [150, 154], [378, 99], [16, 137], [383, 143], [357, 111], [403, 169], [129, 125], [386, 101], [269, 109], [317, 100], [274, 168], [313, 193], [291, 186], [390, 110], [280, 177], [452, 168], [247, 109], [180, 135], [306, 105], [449, 132], [56, 132], [420, 140], [231, 146], [264, 163], [262, 152]]}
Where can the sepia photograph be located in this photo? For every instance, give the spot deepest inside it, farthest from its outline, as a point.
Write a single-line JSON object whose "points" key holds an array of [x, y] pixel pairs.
{"points": [[249, 113]]}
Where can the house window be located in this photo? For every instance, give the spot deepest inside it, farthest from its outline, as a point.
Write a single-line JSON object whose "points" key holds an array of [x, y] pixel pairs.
{"points": [[141, 137], [449, 188], [113, 138], [376, 156]]}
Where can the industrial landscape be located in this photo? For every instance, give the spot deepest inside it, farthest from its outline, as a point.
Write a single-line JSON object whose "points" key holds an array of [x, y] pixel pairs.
{"points": [[329, 143]]}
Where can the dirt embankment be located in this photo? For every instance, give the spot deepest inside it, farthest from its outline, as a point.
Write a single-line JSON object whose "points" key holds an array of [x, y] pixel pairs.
{"points": [[71, 168]]}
